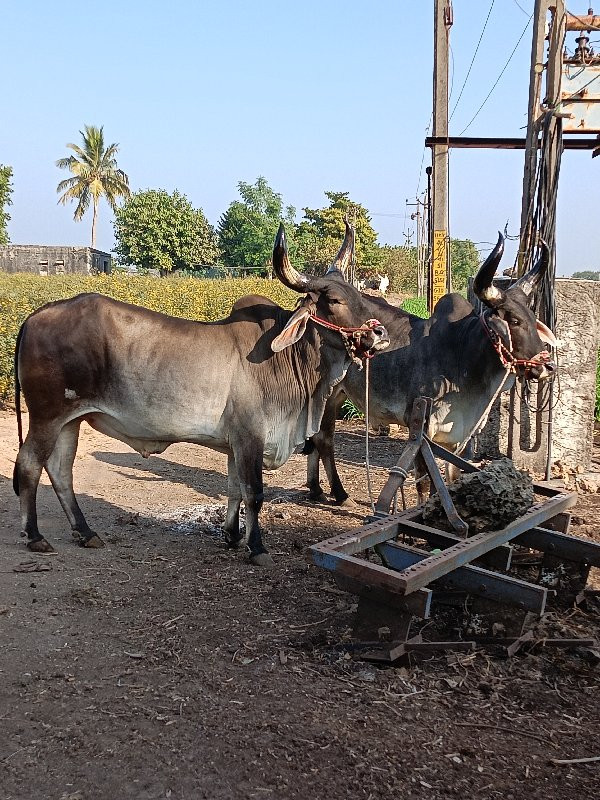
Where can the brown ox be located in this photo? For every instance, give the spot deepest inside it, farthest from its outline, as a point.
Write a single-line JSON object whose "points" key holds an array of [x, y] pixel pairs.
{"points": [[253, 385]]}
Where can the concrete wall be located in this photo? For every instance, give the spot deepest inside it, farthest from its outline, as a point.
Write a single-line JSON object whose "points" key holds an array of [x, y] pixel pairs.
{"points": [[578, 332], [46, 260]]}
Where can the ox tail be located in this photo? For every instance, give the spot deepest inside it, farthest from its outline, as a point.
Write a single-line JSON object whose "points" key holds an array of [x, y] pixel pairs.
{"points": [[309, 447], [18, 407]]}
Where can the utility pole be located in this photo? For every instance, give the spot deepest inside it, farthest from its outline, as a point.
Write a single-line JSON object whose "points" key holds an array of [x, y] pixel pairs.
{"points": [[439, 279], [537, 108], [420, 218]]}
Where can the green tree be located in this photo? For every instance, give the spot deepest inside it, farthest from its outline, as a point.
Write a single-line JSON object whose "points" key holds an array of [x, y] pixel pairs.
{"points": [[400, 265], [465, 263], [158, 230], [587, 275], [5, 200], [95, 175], [322, 229], [247, 229]]}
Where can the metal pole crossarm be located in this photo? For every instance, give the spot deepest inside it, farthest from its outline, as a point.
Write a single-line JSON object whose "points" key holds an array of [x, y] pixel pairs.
{"points": [[583, 22], [507, 143]]}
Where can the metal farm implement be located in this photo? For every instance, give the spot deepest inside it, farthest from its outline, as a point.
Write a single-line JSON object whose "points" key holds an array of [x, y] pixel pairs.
{"points": [[409, 581]]}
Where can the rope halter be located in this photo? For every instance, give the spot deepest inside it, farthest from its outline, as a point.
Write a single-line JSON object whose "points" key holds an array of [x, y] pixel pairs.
{"points": [[508, 359], [352, 337]]}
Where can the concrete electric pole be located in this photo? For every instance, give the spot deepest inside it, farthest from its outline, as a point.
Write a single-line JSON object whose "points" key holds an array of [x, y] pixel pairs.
{"points": [[439, 278]]}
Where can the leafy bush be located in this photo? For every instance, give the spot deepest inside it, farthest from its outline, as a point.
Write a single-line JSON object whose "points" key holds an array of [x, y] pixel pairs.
{"points": [[181, 297]]}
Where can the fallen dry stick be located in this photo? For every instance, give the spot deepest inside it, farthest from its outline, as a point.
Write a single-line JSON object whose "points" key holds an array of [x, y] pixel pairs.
{"points": [[574, 760]]}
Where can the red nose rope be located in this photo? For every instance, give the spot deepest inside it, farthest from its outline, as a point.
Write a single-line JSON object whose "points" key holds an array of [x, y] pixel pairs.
{"points": [[508, 359], [351, 337]]}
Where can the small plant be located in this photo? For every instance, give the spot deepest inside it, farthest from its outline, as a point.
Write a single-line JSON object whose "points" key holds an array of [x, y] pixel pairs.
{"points": [[350, 411]]}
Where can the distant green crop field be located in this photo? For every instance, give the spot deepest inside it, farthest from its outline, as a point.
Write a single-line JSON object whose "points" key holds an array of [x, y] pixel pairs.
{"points": [[191, 298], [416, 306]]}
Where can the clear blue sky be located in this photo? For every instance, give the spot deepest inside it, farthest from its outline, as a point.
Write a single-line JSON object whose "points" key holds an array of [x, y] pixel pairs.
{"points": [[313, 95]]}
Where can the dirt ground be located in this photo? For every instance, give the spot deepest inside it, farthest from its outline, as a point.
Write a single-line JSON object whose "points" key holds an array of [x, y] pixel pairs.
{"points": [[165, 666]]}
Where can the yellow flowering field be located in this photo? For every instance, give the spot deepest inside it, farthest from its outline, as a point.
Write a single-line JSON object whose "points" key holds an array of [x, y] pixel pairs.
{"points": [[191, 298]]}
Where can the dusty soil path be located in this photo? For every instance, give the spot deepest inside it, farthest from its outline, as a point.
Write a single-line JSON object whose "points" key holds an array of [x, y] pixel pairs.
{"points": [[165, 666]]}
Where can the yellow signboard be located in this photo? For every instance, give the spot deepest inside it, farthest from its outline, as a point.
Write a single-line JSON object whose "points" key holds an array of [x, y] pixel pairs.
{"points": [[439, 267]]}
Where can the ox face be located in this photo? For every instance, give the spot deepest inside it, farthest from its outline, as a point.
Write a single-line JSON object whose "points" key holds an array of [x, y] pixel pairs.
{"points": [[330, 301], [511, 320]]}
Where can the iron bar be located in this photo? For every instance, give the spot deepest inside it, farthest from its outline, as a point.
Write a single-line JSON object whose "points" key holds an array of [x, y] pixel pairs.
{"points": [[473, 580]]}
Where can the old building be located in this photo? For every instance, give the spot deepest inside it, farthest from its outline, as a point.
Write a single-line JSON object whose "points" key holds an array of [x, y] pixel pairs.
{"points": [[46, 260]]}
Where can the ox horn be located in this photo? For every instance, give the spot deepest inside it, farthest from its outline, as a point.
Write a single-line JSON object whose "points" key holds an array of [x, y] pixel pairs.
{"points": [[346, 253], [482, 285], [282, 267], [530, 280]]}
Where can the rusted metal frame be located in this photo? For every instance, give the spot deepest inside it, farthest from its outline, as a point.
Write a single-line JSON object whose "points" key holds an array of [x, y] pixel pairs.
{"points": [[561, 545], [459, 525], [435, 566], [359, 539], [441, 452], [417, 604], [498, 558], [418, 420], [514, 644], [473, 580], [561, 523], [370, 574], [414, 645]]}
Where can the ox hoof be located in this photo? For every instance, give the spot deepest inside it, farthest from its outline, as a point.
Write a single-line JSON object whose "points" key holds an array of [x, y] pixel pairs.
{"points": [[318, 498], [40, 546], [94, 542], [262, 560], [348, 504], [234, 544]]}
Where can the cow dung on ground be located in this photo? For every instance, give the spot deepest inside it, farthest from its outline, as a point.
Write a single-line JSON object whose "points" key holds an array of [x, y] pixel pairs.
{"points": [[487, 500]]}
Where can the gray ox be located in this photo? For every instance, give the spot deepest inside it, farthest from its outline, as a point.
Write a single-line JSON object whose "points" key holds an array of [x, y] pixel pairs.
{"points": [[456, 357], [253, 385]]}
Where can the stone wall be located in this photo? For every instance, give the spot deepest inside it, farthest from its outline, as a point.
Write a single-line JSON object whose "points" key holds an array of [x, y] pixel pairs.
{"points": [[46, 260], [578, 332]]}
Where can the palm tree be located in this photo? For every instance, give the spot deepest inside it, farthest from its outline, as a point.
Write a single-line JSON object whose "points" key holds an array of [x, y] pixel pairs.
{"points": [[95, 173]]}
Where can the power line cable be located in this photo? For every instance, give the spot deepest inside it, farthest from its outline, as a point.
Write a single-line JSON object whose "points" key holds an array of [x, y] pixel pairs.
{"points": [[473, 59], [520, 6], [497, 81], [427, 129]]}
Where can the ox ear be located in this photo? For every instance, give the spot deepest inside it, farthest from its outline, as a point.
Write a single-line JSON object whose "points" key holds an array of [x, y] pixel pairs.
{"points": [[293, 331], [545, 333]]}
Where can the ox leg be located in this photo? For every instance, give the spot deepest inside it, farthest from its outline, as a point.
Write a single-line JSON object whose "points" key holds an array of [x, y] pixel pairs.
{"points": [[231, 528], [248, 461], [324, 450], [60, 471], [33, 454]]}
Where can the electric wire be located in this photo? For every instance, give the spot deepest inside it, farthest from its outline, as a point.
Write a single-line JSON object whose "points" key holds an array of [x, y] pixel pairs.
{"points": [[520, 6], [497, 81], [472, 60]]}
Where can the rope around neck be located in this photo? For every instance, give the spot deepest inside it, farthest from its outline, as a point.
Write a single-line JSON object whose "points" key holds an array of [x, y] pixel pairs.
{"points": [[351, 337]]}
